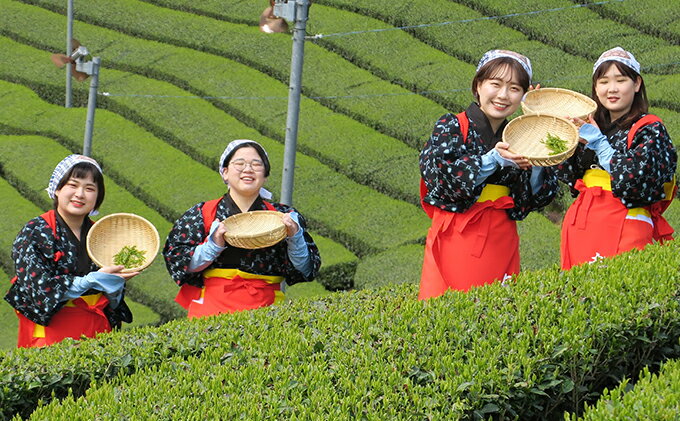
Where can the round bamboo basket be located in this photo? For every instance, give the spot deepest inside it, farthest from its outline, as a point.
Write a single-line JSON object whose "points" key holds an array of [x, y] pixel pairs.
{"points": [[111, 233], [559, 102], [526, 134], [254, 230]]}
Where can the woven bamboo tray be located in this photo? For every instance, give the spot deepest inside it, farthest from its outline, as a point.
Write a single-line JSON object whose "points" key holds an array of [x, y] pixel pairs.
{"points": [[559, 102], [526, 133], [255, 230], [113, 232]]}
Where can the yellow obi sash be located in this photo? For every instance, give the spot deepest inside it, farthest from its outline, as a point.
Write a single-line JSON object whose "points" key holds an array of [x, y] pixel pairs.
{"points": [[493, 192], [231, 273], [39, 330], [601, 178]]}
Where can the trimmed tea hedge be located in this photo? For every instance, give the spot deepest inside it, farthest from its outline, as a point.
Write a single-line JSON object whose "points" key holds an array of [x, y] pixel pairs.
{"points": [[552, 66], [360, 152], [146, 174], [8, 320], [658, 19], [393, 55], [532, 349], [580, 30], [326, 74], [653, 397], [487, 34]]}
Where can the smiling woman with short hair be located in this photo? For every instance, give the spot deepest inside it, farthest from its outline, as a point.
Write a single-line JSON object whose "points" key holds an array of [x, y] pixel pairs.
{"points": [[215, 277]]}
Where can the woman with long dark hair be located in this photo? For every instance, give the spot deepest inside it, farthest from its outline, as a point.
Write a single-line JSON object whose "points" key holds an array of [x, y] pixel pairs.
{"points": [[623, 171], [474, 188]]}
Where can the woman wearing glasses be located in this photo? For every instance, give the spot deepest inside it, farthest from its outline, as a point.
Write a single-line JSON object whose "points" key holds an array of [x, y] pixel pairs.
{"points": [[215, 277]]}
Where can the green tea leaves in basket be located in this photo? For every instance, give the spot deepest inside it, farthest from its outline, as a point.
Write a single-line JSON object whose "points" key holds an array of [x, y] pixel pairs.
{"points": [[130, 257], [556, 144]]}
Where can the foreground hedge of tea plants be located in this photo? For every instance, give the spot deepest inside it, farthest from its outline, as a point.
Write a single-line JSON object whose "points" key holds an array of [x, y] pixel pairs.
{"points": [[653, 397], [534, 348]]}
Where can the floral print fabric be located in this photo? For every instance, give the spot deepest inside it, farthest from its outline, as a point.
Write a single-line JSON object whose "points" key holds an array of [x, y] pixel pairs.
{"points": [[449, 167], [41, 284], [638, 173], [188, 232]]}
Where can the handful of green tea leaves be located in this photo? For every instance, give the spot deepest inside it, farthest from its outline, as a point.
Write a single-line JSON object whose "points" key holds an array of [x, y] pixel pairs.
{"points": [[130, 257], [556, 144]]}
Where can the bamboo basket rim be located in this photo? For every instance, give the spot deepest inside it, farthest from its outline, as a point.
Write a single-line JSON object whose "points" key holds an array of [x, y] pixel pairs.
{"points": [[151, 243], [268, 235], [532, 141], [529, 107]]}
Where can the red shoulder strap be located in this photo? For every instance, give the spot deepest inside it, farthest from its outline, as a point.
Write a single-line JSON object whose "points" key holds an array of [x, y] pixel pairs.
{"points": [[269, 206], [209, 211], [464, 124], [51, 218], [648, 119]]}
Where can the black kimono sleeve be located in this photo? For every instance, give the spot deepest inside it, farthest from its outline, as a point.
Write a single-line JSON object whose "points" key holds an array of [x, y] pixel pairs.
{"points": [[187, 233], [638, 173], [41, 284], [449, 167]]}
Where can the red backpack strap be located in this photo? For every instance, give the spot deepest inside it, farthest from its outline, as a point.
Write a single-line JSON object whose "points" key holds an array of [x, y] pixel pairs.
{"points": [[209, 211], [51, 218], [464, 124], [648, 119]]}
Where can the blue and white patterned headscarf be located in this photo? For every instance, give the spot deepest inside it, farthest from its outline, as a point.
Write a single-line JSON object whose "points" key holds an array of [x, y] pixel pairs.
{"points": [[266, 194], [64, 167], [494, 54], [620, 55]]}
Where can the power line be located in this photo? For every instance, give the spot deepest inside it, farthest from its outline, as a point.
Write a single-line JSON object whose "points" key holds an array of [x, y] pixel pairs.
{"points": [[430, 25], [359, 96]]}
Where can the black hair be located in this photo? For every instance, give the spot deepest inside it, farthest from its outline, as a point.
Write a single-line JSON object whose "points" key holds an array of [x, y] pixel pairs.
{"points": [[257, 147], [82, 170]]}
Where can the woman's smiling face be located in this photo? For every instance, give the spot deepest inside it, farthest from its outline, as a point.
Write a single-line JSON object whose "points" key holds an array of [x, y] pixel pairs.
{"points": [[77, 197], [616, 92], [248, 180], [500, 95]]}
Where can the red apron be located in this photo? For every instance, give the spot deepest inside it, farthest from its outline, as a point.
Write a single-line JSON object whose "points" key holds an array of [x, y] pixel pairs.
{"points": [[473, 248], [598, 225], [230, 290], [83, 316]]}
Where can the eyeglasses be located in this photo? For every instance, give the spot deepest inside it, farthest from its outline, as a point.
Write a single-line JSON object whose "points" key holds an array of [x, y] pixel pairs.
{"points": [[240, 165]]}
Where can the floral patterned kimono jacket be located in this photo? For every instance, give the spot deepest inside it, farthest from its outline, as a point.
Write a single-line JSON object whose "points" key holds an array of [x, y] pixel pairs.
{"points": [[47, 257], [238, 279], [473, 239], [619, 210]]}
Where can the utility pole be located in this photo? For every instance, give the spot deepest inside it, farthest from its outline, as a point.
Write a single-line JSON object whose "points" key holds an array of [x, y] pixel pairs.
{"points": [[296, 11], [69, 50], [92, 69]]}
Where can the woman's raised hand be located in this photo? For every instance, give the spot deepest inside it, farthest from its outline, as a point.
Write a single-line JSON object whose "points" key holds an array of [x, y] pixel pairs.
{"points": [[291, 226], [503, 150]]}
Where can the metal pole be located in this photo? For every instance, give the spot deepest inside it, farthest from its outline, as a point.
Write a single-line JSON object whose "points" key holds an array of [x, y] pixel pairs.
{"points": [[91, 106], [295, 87], [69, 50]]}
